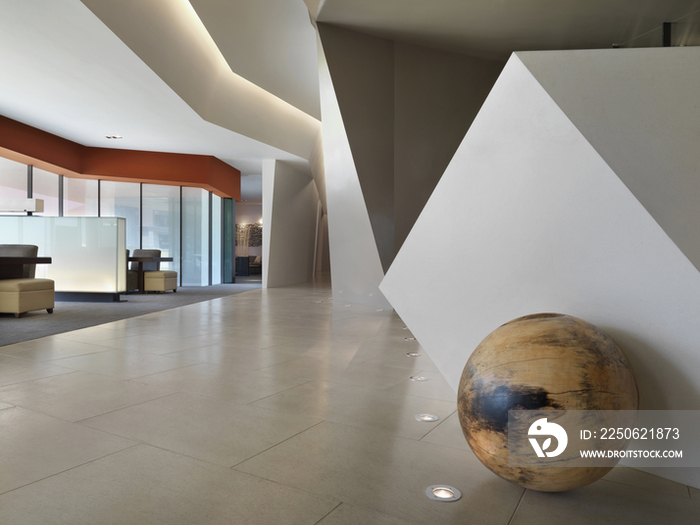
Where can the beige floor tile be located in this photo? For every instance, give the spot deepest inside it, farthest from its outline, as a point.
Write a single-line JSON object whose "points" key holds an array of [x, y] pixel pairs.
{"points": [[147, 486], [224, 380], [50, 348], [351, 515], [359, 407], [243, 338], [210, 429], [354, 373], [644, 480], [243, 357], [15, 370], [3, 406], [152, 344], [78, 395], [436, 387], [124, 364], [379, 471], [34, 446], [604, 502], [448, 433]]}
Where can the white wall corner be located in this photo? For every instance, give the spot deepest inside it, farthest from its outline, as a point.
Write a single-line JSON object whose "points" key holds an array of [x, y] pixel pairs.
{"points": [[356, 269]]}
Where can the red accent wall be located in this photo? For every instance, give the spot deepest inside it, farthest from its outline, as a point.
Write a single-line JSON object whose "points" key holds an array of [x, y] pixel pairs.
{"points": [[30, 145]]}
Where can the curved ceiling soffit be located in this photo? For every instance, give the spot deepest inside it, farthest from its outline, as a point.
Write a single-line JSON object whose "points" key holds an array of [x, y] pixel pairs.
{"points": [[169, 37]]}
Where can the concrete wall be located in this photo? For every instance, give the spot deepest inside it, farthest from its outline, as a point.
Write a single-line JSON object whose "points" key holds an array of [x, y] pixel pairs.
{"points": [[436, 97], [290, 201], [400, 113], [356, 267], [533, 219]]}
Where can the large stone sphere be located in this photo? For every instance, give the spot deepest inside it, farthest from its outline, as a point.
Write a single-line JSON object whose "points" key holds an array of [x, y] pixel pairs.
{"points": [[540, 362]]}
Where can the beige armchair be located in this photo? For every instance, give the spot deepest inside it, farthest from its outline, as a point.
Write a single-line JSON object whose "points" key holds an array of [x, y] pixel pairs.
{"points": [[154, 279], [21, 295]]}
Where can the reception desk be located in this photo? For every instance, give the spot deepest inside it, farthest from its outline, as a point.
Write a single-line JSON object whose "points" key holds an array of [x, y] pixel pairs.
{"points": [[88, 254]]}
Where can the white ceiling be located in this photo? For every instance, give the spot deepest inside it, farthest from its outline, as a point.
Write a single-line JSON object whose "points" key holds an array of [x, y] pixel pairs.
{"points": [[496, 28], [66, 72]]}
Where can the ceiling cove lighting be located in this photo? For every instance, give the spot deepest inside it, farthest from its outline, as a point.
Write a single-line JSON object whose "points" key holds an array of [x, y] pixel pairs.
{"points": [[427, 418], [443, 493]]}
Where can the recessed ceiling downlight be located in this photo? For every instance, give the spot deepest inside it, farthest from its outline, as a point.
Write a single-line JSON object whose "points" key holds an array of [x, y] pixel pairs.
{"points": [[418, 378], [428, 418], [443, 493]]}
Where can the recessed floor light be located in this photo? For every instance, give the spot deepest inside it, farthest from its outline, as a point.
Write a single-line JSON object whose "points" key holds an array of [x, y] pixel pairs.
{"points": [[419, 378], [443, 493], [413, 354], [428, 418]]}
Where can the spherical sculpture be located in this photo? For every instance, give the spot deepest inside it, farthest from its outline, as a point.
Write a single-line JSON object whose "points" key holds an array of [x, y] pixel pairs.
{"points": [[540, 362]]}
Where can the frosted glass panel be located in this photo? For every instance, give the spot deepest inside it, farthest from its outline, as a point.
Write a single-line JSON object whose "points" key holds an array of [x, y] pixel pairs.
{"points": [[216, 255], [13, 182], [161, 222], [195, 237], [121, 199], [79, 197], [88, 253], [45, 186]]}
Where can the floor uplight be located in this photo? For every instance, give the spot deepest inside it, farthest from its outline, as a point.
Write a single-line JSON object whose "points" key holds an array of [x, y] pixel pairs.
{"points": [[443, 493], [428, 418]]}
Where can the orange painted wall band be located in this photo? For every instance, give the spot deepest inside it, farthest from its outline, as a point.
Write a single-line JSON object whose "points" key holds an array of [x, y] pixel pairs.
{"points": [[30, 145]]}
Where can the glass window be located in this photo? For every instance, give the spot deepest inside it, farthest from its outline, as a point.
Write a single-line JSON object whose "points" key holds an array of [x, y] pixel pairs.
{"points": [[79, 197], [45, 186], [121, 199], [216, 255], [13, 182], [161, 222], [195, 237]]}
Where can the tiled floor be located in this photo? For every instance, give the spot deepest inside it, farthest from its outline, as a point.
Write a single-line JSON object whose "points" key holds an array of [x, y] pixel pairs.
{"points": [[270, 407]]}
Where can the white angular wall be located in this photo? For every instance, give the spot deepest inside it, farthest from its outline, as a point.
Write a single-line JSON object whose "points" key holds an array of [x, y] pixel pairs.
{"points": [[356, 269], [530, 217], [290, 203], [393, 116]]}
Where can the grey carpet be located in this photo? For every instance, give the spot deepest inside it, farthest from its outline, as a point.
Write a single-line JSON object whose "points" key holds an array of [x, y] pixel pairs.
{"points": [[69, 316]]}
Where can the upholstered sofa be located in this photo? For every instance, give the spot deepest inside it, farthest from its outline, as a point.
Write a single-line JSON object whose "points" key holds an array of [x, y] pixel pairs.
{"points": [[22, 295]]}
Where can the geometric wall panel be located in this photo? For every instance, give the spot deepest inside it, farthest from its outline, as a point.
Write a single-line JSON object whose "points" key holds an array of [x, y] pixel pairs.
{"points": [[641, 113], [529, 217], [356, 266], [362, 71]]}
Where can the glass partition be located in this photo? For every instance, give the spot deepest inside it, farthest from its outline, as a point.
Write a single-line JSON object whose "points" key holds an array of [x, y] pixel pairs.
{"points": [[122, 199], [88, 253], [79, 197], [195, 237], [161, 222], [216, 220], [13, 182], [45, 186]]}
